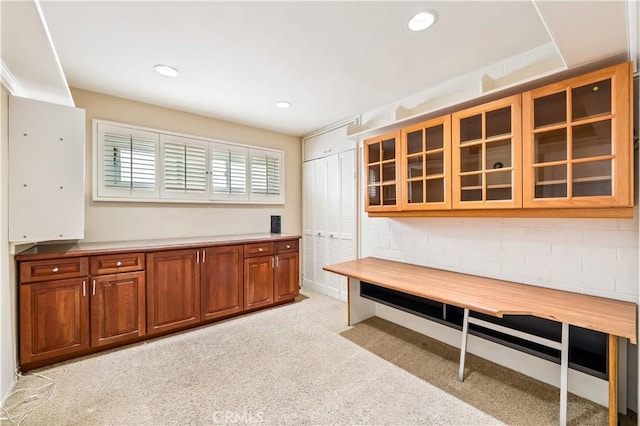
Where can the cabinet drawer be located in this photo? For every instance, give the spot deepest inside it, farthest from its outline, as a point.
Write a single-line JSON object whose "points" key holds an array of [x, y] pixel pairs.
{"points": [[115, 263], [53, 269], [258, 249], [290, 246]]}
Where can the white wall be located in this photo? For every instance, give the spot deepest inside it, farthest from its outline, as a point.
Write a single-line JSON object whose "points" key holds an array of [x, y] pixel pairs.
{"points": [[111, 221], [8, 319]]}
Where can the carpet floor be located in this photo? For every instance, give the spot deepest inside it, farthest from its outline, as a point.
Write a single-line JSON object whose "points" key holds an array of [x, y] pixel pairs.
{"points": [[287, 365], [297, 364]]}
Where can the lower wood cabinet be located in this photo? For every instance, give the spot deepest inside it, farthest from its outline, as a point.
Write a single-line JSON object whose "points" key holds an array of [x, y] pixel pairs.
{"points": [[173, 290], [271, 279], [117, 308], [258, 282], [75, 305], [54, 319], [286, 277], [221, 284]]}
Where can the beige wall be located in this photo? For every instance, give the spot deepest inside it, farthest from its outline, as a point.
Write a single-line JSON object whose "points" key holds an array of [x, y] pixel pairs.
{"points": [[111, 221]]}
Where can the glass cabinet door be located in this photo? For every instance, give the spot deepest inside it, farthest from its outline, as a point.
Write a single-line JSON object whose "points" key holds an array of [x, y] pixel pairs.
{"points": [[486, 145], [426, 160], [381, 162], [577, 139]]}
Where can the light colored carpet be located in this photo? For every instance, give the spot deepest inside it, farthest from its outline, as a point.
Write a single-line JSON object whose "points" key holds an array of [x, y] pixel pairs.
{"points": [[286, 365], [503, 393]]}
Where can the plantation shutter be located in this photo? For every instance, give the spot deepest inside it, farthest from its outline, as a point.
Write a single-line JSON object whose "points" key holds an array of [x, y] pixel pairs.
{"points": [[184, 170], [127, 162], [228, 172], [266, 176]]}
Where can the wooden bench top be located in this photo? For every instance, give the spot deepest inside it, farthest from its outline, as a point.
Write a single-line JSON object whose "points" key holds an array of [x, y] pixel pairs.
{"points": [[496, 297]]}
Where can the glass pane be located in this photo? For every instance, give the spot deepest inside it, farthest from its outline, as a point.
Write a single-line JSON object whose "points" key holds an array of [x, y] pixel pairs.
{"points": [[471, 158], [499, 193], [374, 174], [499, 179], [435, 190], [435, 137], [374, 152], [471, 128], [389, 149], [499, 186], [415, 167], [592, 140], [388, 172], [414, 142], [551, 146], [374, 195], [551, 182], [471, 181], [550, 109], [591, 100], [415, 192], [435, 163], [498, 122], [471, 195], [498, 154], [389, 195], [591, 179]]}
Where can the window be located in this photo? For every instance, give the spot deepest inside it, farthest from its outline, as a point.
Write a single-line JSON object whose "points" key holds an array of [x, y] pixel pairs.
{"points": [[228, 172], [135, 164], [127, 162], [266, 179], [184, 171]]}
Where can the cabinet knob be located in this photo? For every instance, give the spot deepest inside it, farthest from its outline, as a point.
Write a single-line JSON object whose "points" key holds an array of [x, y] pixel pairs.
{"points": [[260, 249], [118, 263], [55, 269], [288, 246]]}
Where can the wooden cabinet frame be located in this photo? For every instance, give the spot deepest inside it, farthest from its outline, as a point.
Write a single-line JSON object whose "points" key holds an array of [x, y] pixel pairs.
{"points": [[482, 143], [621, 140], [371, 185], [445, 151]]}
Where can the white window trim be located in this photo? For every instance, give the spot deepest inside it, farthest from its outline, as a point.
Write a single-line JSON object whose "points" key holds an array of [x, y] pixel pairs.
{"points": [[170, 196]]}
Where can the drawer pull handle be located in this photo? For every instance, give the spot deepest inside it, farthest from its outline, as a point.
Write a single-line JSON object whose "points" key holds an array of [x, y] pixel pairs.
{"points": [[55, 269], [288, 246], [118, 263], [260, 249]]}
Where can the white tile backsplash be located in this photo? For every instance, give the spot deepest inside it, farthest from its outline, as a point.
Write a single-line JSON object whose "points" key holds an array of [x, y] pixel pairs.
{"points": [[592, 256]]}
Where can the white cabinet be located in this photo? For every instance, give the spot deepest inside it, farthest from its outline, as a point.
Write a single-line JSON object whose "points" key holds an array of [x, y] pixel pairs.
{"points": [[326, 144], [46, 171], [329, 220]]}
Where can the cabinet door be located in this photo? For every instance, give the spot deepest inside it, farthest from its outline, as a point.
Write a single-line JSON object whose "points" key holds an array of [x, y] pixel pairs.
{"points": [[382, 171], [117, 308], [487, 155], [54, 319], [46, 171], [173, 290], [286, 277], [426, 160], [221, 286], [258, 282], [577, 139]]}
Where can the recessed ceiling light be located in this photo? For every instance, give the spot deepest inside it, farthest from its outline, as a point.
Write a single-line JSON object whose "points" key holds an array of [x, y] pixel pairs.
{"points": [[283, 104], [166, 70], [421, 21]]}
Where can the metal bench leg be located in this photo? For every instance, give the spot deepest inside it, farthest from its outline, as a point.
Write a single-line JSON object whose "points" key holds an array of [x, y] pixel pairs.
{"points": [[564, 373], [463, 344]]}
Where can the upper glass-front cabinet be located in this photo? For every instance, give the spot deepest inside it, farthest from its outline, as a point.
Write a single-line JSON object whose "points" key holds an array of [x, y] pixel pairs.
{"points": [[577, 141], [382, 174], [426, 160], [486, 145]]}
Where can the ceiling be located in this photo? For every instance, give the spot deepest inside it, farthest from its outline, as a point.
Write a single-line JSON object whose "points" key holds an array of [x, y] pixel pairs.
{"points": [[331, 60]]}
